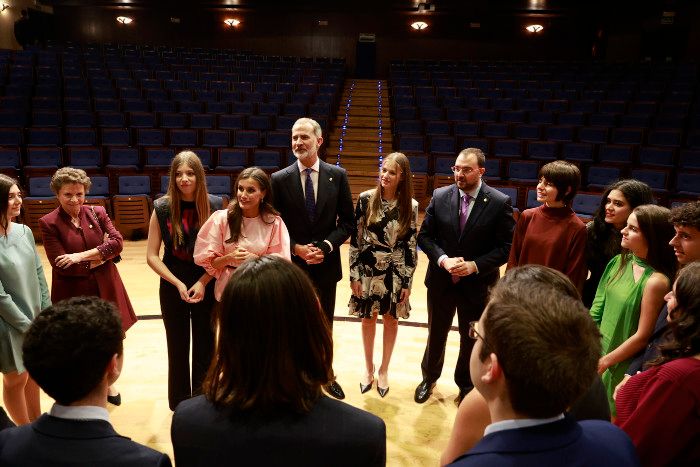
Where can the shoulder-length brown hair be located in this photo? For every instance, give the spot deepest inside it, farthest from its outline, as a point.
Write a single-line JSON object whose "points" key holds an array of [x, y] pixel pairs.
{"points": [[274, 348], [685, 318], [235, 214], [657, 231], [201, 196], [404, 194]]}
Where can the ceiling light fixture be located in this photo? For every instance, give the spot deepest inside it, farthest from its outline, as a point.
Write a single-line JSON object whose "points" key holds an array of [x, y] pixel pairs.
{"points": [[5, 6], [124, 20], [419, 25], [232, 22], [534, 28]]}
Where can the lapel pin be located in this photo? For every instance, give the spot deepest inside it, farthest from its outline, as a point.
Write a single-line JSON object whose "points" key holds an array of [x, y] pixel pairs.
{"points": [[486, 200], [330, 179], [90, 225]]}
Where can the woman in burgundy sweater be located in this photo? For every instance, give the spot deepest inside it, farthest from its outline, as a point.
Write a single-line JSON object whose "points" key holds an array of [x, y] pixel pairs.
{"points": [[552, 235]]}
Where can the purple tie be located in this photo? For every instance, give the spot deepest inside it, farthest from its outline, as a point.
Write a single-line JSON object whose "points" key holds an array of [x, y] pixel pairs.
{"points": [[463, 210], [310, 200]]}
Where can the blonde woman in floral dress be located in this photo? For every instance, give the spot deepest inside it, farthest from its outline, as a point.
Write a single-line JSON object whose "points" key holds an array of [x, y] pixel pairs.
{"points": [[382, 261]]}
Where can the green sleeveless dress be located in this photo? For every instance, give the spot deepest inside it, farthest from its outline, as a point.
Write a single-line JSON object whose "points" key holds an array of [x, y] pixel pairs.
{"points": [[615, 310]]}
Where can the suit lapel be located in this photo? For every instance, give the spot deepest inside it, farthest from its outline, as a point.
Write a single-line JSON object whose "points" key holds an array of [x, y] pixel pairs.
{"points": [[324, 180], [296, 194], [454, 209]]}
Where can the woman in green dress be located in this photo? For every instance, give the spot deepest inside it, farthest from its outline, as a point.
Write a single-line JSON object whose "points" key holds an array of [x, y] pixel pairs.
{"points": [[23, 294], [631, 291]]}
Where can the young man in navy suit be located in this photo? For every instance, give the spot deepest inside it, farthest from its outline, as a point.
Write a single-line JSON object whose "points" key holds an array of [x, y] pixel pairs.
{"points": [[314, 200], [73, 350], [536, 353], [466, 234]]}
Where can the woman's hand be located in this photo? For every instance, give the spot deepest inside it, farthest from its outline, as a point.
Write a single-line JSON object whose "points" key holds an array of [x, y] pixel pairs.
{"points": [[620, 385], [356, 288], [196, 292], [603, 364], [182, 290], [68, 260], [405, 293], [241, 254]]}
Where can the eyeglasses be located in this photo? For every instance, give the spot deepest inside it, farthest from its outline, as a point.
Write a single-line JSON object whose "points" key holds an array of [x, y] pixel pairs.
{"points": [[465, 170], [473, 333]]}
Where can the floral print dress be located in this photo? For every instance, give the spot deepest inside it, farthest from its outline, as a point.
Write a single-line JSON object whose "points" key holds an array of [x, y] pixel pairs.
{"points": [[381, 260]]}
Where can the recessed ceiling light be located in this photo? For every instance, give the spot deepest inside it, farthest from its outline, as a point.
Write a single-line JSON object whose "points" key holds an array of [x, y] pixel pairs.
{"points": [[232, 22], [419, 25], [124, 19], [534, 28]]}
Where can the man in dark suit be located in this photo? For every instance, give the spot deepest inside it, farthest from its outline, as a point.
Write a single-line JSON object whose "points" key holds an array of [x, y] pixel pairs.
{"points": [[314, 200], [536, 352], [73, 350], [466, 233]]}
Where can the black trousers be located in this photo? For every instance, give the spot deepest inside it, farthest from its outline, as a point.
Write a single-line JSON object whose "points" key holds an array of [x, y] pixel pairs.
{"points": [[326, 295], [469, 304], [179, 319]]}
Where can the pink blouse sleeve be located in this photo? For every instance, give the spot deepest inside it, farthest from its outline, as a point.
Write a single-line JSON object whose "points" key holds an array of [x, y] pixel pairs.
{"points": [[210, 242], [279, 244]]}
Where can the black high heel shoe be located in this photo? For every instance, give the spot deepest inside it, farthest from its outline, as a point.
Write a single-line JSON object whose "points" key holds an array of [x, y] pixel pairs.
{"points": [[115, 400], [382, 391], [366, 387]]}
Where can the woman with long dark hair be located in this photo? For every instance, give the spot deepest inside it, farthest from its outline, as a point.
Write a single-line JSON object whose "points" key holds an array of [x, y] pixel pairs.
{"points": [[186, 294], [616, 204], [263, 401], [660, 408], [383, 258], [23, 294], [631, 291], [248, 228]]}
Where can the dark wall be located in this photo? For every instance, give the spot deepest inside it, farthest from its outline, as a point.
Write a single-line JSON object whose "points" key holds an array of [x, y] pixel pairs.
{"points": [[297, 33]]}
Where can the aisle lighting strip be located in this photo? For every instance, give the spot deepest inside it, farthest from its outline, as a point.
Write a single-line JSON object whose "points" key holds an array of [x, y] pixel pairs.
{"points": [[379, 121], [344, 128]]}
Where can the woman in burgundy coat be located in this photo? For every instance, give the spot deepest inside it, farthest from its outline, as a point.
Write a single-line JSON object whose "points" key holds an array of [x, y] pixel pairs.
{"points": [[81, 243]]}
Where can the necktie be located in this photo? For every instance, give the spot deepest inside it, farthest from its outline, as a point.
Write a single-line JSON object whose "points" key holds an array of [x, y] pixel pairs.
{"points": [[310, 199], [463, 209]]}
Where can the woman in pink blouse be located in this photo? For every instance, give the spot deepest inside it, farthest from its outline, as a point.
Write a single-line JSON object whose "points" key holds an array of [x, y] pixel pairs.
{"points": [[249, 228]]}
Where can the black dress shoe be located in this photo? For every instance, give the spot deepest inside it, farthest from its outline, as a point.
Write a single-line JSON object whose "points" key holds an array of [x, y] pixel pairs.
{"points": [[115, 400], [382, 391], [366, 387], [423, 391], [334, 389]]}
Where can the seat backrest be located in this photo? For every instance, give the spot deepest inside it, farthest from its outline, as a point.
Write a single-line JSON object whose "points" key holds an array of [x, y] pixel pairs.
{"points": [[40, 187], [219, 184], [230, 157], [586, 203], [134, 185]]}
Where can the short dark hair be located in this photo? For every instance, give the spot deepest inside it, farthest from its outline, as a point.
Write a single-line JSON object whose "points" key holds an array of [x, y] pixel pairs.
{"points": [[544, 339], [478, 153], [563, 175], [687, 215], [274, 348], [69, 345]]}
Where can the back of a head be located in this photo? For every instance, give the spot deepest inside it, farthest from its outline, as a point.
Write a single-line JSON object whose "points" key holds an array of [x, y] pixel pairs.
{"points": [[69, 345], [544, 339], [274, 347]]}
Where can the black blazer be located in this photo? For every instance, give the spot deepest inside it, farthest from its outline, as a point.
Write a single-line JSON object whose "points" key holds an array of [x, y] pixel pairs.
{"points": [[334, 221], [486, 239], [56, 441], [332, 433]]}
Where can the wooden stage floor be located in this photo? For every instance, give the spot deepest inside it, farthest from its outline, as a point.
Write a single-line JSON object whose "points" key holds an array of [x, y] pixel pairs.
{"points": [[416, 434]]}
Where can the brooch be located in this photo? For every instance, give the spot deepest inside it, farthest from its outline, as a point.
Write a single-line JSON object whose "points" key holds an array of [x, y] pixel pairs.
{"points": [[90, 225], [330, 179]]}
